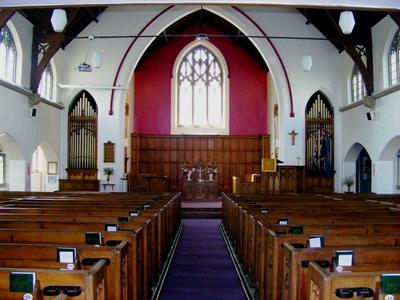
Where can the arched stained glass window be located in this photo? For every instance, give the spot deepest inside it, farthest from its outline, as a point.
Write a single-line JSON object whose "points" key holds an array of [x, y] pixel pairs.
{"points": [[319, 143], [46, 83], [200, 83], [8, 55], [394, 59], [358, 90]]}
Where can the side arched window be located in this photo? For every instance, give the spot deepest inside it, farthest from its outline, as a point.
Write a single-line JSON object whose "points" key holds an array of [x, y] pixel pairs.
{"points": [[46, 83], [357, 85], [394, 59], [8, 56]]}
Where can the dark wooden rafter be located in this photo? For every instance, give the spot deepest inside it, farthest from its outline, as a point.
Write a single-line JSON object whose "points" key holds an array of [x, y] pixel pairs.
{"points": [[396, 18], [92, 15], [53, 40], [350, 46], [5, 15]]}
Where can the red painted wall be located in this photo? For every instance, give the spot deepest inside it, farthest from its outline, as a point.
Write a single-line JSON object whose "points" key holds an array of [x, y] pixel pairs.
{"points": [[247, 93]]}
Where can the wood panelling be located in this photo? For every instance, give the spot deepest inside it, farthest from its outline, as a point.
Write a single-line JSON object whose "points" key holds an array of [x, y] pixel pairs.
{"points": [[166, 155]]}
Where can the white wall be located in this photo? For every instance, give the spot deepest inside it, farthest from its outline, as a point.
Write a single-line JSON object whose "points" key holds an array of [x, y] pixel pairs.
{"points": [[374, 135], [28, 132], [330, 74]]}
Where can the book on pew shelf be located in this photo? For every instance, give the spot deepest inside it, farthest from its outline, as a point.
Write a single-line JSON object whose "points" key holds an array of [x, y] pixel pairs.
{"points": [[22, 282], [112, 227], [146, 206], [66, 255], [264, 210], [296, 229], [93, 238], [316, 241], [344, 258], [134, 213], [390, 283], [124, 219], [283, 221]]}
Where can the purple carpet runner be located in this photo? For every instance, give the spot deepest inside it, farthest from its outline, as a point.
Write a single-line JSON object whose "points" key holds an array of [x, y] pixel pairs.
{"points": [[202, 268]]}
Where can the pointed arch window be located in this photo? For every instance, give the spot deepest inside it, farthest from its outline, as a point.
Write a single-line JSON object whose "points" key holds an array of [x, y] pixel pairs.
{"points": [[46, 83], [82, 133], [358, 90], [8, 56], [394, 60], [319, 136], [200, 82]]}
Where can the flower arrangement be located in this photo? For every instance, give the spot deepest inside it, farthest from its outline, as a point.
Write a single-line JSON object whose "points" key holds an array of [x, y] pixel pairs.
{"points": [[212, 170], [108, 172], [349, 181], [188, 172]]}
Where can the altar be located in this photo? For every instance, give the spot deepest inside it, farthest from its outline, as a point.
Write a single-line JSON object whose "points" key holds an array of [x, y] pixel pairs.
{"points": [[200, 181]]}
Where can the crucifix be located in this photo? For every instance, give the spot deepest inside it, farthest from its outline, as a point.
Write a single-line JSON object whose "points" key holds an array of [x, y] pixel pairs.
{"points": [[293, 135]]}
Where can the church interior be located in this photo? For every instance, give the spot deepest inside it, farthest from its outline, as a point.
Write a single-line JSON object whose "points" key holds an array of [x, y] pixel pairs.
{"points": [[199, 149]]}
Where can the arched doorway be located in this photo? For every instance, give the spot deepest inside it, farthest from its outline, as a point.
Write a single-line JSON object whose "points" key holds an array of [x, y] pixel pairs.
{"points": [[363, 172], [44, 169], [13, 164]]}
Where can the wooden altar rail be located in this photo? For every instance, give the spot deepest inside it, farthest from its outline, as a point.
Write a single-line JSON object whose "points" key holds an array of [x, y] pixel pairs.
{"points": [[166, 155]]}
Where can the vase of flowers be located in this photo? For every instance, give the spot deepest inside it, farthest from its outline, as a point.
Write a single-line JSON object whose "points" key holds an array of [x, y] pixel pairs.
{"points": [[108, 172], [188, 173], [349, 181], [211, 170]]}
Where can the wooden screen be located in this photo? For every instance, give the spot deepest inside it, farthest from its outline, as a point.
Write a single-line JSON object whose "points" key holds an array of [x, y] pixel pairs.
{"points": [[319, 144], [82, 137], [167, 155]]}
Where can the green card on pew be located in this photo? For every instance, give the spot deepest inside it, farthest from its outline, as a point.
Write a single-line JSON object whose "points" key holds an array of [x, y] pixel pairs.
{"points": [[390, 283], [22, 282]]}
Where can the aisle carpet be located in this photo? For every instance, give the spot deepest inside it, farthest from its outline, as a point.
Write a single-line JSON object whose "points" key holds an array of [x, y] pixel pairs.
{"points": [[202, 268]]}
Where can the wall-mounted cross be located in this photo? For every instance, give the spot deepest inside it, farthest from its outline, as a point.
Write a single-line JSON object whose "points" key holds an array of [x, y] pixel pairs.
{"points": [[293, 135]]}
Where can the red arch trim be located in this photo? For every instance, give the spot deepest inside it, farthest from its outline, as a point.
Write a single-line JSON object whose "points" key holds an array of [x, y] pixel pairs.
{"points": [[111, 112], [292, 115]]}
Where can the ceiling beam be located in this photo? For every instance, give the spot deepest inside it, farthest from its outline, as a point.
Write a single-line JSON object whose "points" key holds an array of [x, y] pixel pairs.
{"points": [[349, 44], [337, 4], [5, 15], [54, 42], [396, 18]]}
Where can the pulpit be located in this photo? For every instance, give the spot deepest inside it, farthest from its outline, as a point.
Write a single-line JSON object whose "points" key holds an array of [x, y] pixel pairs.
{"points": [[200, 181]]}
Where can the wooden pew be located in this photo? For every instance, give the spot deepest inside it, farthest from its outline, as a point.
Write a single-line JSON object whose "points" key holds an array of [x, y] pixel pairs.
{"points": [[248, 227], [91, 281], [296, 261], [324, 285], [274, 265], [116, 258]]}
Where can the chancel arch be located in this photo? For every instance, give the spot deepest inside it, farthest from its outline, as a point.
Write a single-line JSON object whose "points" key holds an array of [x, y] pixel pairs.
{"points": [[319, 142]]}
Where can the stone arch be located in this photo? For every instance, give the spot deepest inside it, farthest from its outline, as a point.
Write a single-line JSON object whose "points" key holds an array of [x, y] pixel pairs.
{"points": [[15, 172]]}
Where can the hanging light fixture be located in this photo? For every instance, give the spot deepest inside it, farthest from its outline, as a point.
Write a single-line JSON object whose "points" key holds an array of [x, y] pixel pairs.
{"points": [[306, 62], [346, 22], [58, 20], [97, 59]]}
